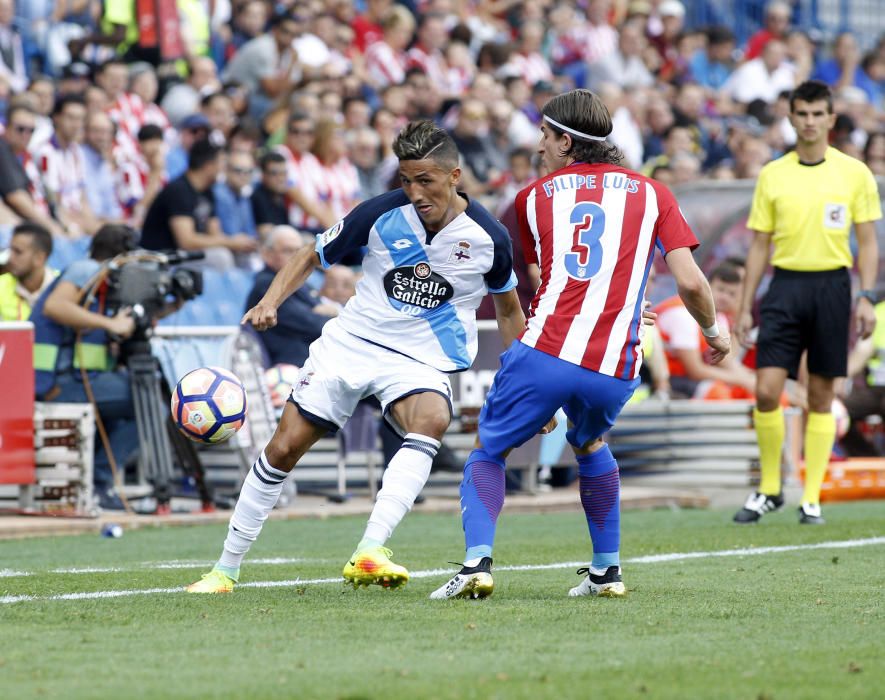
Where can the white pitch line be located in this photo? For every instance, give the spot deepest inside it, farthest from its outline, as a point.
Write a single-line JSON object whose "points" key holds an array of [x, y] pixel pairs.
{"points": [[10, 573], [427, 573]]}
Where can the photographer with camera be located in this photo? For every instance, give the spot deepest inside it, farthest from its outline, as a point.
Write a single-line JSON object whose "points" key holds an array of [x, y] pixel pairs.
{"points": [[60, 361]]}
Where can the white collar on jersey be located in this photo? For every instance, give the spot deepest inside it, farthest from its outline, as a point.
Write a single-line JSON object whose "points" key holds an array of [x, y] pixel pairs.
{"points": [[574, 132]]}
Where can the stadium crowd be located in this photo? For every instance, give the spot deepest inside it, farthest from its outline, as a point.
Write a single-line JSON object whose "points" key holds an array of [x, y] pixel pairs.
{"points": [[303, 100], [241, 116]]}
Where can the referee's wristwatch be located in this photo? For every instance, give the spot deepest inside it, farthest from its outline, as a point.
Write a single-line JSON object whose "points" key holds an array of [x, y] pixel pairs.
{"points": [[867, 294]]}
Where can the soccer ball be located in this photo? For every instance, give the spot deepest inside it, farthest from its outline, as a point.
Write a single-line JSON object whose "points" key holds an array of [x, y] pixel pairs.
{"points": [[280, 379], [209, 405]]}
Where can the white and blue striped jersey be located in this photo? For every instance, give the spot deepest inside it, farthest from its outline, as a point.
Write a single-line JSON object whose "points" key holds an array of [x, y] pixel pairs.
{"points": [[419, 292]]}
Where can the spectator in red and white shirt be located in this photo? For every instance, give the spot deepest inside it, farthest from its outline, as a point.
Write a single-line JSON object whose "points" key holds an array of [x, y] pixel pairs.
{"points": [[367, 26], [61, 167], [427, 53], [386, 59], [600, 38], [143, 83], [460, 69], [305, 176], [339, 174], [141, 179], [527, 60], [125, 109], [777, 22]]}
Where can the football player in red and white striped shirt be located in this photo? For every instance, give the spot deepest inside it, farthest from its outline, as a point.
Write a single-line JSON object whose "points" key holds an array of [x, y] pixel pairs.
{"points": [[591, 228]]}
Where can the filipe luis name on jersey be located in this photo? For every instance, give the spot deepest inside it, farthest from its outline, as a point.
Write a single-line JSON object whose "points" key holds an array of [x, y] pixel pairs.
{"points": [[574, 181]]}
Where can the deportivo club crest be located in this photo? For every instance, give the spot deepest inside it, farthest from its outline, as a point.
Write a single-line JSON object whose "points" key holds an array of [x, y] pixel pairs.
{"points": [[460, 252]]}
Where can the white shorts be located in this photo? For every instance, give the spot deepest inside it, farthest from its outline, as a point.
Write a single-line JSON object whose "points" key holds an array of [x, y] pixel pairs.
{"points": [[343, 369]]}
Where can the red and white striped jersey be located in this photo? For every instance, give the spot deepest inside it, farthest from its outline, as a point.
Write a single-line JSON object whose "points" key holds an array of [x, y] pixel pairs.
{"points": [[432, 63], [533, 67], [305, 172], [384, 65], [343, 182], [592, 230], [62, 173], [35, 182]]}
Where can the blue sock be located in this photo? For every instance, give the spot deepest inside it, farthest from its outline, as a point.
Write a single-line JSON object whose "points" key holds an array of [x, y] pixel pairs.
{"points": [[600, 497], [482, 497]]}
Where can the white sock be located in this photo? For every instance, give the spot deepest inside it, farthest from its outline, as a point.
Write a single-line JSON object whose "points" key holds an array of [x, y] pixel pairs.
{"points": [[403, 480], [260, 492]]}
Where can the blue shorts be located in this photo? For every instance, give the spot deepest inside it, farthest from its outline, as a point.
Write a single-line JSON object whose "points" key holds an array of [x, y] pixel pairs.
{"points": [[529, 388]]}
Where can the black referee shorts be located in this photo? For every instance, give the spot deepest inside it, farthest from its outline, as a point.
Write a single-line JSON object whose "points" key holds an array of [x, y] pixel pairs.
{"points": [[806, 311]]}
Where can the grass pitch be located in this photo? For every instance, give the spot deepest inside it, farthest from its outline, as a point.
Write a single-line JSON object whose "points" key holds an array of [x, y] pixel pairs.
{"points": [[796, 624]]}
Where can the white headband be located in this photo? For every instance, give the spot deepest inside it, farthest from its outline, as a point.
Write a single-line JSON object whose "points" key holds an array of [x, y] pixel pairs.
{"points": [[574, 132]]}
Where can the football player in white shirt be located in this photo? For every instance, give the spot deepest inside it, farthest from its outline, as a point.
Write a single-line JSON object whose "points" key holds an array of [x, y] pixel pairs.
{"points": [[431, 256]]}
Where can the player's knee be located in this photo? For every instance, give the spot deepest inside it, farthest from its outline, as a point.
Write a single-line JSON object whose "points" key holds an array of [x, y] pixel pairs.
{"points": [[767, 399], [286, 446], [281, 455], [432, 424], [820, 402]]}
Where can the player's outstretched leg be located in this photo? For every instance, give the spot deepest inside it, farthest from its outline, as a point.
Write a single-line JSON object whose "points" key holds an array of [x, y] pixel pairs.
{"points": [[403, 480], [482, 497], [260, 492], [600, 496]]}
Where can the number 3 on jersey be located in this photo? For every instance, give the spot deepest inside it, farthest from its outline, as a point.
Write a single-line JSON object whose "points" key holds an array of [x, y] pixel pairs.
{"points": [[585, 258]]}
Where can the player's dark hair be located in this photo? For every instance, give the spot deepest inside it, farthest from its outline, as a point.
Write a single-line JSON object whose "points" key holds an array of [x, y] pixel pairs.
{"points": [[41, 239], [269, 158], [727, 273], [112, 240], [424, 139], [202, 152], [812, 91], [584, 111]]}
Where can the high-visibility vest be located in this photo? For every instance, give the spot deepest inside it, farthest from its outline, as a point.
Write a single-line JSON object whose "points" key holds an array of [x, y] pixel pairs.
{"points": [[12, 306], [50, 337]]}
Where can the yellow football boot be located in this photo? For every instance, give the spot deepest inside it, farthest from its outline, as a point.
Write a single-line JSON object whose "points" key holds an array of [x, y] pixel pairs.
{"points": [[213, 582], [373, 566]]}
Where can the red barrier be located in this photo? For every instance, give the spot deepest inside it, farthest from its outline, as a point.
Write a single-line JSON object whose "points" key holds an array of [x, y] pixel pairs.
{"points": [[17, 403]]}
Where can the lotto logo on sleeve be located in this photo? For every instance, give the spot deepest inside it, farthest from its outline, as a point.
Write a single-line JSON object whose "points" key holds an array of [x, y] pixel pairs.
{"points": [[835, 216]]}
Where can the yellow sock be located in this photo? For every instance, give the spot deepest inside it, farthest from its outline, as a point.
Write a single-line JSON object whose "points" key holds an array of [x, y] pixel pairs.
{"points": [[770, 435], [820, 432]]}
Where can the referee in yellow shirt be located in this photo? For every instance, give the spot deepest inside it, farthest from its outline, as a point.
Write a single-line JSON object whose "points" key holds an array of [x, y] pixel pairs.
{"points": [[803, 208]]}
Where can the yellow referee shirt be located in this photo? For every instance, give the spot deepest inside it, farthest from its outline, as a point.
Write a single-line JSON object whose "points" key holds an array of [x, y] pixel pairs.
{"points": [[809, 209]]}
